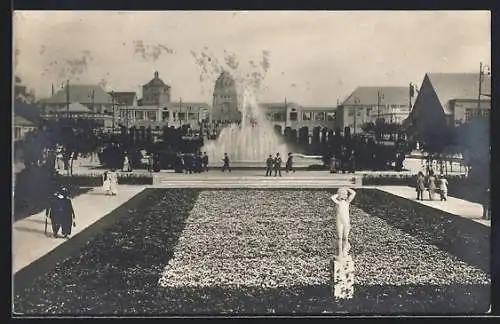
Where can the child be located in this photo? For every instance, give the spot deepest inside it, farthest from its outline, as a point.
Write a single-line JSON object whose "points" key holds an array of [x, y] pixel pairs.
{"points": [[443, 188], [343, 199]]}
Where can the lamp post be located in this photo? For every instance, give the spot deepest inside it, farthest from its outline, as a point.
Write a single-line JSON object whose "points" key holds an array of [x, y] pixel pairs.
{"points": [[483, 69]]}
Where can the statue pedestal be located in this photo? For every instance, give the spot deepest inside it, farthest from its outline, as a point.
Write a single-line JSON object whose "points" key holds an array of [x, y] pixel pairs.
{"points": [[342, 272]]}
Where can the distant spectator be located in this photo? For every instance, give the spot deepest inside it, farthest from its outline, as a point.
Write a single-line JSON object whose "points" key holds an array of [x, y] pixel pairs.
{"points": [[68, 214], [226, 163], [431, 185], [54, 211], [443, 188], [486, 205], [289, 163], [106, 185], [126, 164], [188, 163], [277, 165], [205, 162], [269, 165], [113, 182], [420, 186]]}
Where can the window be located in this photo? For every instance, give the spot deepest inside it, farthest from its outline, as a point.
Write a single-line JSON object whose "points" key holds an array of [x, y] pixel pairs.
{"points": [[319, 116], [281, 116], [139, 115], [330, 116], [306, 115], [181, 116], [351, 112], [151, 115], [368, 111], [394, 106], [468, 114], [293, 116], [165, 115]]}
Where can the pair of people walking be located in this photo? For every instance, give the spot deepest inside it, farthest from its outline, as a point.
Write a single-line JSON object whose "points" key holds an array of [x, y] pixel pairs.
{"points": [[61, 213], [275, 164], [431, 186]]}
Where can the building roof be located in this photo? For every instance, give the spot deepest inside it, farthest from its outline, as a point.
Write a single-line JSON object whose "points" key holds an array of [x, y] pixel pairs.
{"points": [[369, 96], [21, 121], [81, 93], [76, 107], [123, 98], [454, 86], [28, 111], [156, 82], [224, 80]]}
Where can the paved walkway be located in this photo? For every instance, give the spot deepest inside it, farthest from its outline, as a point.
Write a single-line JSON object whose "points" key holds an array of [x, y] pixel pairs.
{"points": [[29, 242], [453, 205]]}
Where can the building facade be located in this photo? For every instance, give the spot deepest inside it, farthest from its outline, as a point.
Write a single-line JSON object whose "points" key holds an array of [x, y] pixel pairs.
{"points": [[446, 100], [155, 92], [369, 104], [156, 110], [21, 127], [225, 101], [289, 114]]}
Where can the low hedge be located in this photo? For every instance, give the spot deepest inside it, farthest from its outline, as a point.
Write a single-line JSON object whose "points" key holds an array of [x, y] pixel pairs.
{"points": [[405, 180], [459, 186], [95, 179]]}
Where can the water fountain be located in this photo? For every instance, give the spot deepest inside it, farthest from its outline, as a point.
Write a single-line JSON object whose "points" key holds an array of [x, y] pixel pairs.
{"points": [[249, 142]]}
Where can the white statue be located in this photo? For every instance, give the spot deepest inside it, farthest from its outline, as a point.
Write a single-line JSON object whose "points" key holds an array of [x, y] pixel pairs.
{"points": [[343, 199]]}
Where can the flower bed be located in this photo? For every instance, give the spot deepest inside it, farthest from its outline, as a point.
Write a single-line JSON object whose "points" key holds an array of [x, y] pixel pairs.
{"points": [[259, 252], [467, 240]]}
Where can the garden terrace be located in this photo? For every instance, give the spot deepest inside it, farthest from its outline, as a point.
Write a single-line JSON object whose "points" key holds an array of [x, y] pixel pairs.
{"points": [[187, 251]]}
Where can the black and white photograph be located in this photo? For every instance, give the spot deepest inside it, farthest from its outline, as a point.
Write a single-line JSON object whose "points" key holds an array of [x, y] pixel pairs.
{"points": [[251, 163]]}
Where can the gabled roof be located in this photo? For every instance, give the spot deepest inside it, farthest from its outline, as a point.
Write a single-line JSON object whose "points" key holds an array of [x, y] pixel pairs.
{"points": [[156, 82], [28, 111], [369, 96], [21, 121], [80, 93], [450, 86], [123, 98]]}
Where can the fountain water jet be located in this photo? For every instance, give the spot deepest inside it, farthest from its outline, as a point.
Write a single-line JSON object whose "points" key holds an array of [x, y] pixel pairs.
{"points": [[251, 141]]}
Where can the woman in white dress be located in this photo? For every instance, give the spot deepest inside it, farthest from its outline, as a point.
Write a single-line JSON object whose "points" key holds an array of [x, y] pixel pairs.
{"points": [[126, 164], [113, 182], [106, 182]]}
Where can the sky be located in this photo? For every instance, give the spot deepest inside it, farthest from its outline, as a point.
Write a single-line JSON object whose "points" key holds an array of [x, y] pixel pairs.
{"points": [[312, 58]]}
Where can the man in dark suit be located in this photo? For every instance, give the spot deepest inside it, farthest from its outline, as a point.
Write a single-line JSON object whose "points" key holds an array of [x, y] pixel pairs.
{"points": [[269, 165]]}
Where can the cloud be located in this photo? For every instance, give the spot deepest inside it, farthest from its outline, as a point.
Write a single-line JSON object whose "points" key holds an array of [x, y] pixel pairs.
{"points": [[267, 49]]}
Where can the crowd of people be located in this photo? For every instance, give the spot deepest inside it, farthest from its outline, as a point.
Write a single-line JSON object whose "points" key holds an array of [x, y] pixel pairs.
{"points": [[274, 164], [433, 184], [191, 163]]}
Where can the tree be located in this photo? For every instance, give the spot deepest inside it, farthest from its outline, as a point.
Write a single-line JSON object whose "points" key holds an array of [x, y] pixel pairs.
{"points": [[21, 92]]}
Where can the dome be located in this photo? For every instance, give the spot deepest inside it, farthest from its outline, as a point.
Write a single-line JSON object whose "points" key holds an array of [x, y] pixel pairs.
{"points": [[225, 80]]}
